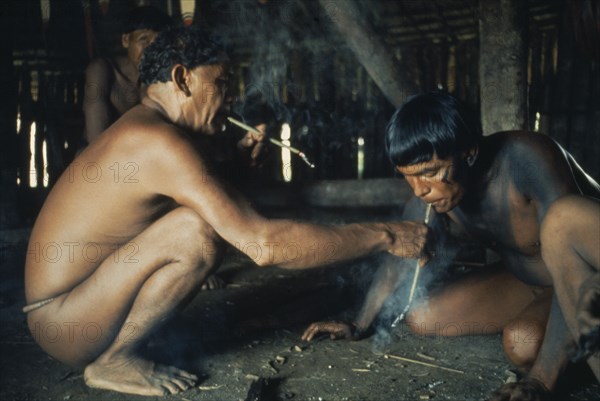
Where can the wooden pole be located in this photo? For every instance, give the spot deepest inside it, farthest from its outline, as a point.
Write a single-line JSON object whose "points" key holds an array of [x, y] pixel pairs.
{"points": [[503, 64], [370, 50]]}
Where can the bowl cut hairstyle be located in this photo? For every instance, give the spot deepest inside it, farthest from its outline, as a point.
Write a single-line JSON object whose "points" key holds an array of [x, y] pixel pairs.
{"points": [[427, 124]]}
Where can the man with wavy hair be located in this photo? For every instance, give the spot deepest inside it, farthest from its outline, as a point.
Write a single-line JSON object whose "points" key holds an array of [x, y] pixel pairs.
{"points": [[144, 220]]}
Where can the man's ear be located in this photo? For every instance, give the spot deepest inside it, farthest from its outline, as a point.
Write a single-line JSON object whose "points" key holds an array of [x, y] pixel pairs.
{"points": [[125, 40], [471, 155], [180, 77]]}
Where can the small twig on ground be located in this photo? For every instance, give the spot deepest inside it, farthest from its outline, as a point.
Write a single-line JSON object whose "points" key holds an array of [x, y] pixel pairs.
{"points": [[210, 388], [430, 358], [401, 358]]}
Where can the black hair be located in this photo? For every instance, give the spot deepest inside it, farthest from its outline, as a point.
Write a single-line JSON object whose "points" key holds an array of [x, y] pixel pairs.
{"points": [[427, 124], [188, 46], [146, 17]]}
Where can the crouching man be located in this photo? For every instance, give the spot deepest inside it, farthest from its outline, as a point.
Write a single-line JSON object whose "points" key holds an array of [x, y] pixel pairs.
{"points": [[518, 193], [142, 222]]}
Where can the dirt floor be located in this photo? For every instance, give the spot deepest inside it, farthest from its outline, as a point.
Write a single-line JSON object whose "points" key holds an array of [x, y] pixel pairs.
{"points": [[245, 340]]}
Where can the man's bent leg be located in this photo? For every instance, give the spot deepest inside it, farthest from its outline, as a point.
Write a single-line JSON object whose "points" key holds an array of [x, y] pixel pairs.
{"points": [[570, 236], [470, 306], [523, 336], [123, 302]]}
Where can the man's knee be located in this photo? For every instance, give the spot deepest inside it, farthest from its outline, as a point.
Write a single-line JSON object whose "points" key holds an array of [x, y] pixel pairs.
{"points": [[558, 225], [422, 322], [522, 340], [196, 239], [559, 219]]}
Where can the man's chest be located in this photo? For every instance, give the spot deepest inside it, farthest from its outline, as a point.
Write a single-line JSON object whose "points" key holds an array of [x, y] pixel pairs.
{"points": [[508, 223], [124, 95]]}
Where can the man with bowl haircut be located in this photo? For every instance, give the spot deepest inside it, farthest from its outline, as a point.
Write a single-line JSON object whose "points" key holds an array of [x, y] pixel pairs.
{"points": [[506, 190], [143, 197]]}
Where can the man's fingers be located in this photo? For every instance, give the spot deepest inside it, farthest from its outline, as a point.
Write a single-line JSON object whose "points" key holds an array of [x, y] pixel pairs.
{"points": [[246, 141], [310, 332], [256, 137], [316, 328], [256, 151], [410, 239], [251, 139]]}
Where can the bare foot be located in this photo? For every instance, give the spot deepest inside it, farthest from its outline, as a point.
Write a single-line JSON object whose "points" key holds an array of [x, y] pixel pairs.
{"points": [[137, 376], [212, 283]]}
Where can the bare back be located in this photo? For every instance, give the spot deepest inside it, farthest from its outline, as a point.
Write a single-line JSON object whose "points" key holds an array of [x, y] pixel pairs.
{"points": [[102, 201]]}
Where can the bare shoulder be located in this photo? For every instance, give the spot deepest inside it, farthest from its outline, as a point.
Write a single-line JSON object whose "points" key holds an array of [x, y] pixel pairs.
{"points": [[537, 165], [531, 143], [145, 126], [144, 132], [527, 152], [100, 70]]}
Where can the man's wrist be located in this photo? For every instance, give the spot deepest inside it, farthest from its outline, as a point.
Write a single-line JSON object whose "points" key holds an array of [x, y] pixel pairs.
{"points": [[359, 332], [378, 236], [386, 238], [539, 383]]}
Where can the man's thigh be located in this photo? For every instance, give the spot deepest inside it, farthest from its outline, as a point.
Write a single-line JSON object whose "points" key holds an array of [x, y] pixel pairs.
{"points": [[480, 302], [86, 320]]}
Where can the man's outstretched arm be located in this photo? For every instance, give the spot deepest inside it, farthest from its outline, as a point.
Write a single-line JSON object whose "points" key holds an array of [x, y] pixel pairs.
{"points": [[184, 175]]}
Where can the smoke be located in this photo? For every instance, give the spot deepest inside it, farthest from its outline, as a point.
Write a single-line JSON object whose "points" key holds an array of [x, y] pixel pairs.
{"points": [[445, 249], [290, 68], [260, 32]]}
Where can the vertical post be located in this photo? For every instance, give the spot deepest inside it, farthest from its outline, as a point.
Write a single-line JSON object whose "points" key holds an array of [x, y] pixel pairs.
{"points": [[503, 32]]}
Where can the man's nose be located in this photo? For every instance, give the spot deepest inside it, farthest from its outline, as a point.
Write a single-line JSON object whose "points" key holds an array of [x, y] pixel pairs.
{"points": [[419, 187]]}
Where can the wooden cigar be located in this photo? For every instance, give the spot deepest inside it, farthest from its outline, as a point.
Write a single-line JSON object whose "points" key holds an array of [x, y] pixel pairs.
{"points": [[272, 140], [411, 294]]}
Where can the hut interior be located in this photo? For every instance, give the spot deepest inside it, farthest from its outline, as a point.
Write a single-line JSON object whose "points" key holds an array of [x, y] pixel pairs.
{"points": [[329, 74]]}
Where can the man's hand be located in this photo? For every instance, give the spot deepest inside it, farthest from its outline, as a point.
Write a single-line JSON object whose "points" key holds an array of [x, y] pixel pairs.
{"points": [[252, 146], [212, 283], [336, 330], [408, 239], [528, 389], [588, 318], [588, 309]]}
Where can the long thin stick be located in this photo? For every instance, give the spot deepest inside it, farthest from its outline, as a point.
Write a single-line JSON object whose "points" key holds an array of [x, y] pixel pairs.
{"points": [[272, 140], [401, 358], [413, 287]]}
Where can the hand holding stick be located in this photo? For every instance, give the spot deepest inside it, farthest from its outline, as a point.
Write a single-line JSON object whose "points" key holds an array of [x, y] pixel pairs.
{"points": [[272, 140], [411, 294]]}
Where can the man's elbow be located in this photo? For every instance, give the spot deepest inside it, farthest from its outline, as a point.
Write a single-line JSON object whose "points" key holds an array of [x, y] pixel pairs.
{"points": [[263, 262], [258, 248]]}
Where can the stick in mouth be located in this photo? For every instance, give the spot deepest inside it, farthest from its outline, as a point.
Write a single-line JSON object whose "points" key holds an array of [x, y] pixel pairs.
{"points": [[411, 294], [272, 140]]}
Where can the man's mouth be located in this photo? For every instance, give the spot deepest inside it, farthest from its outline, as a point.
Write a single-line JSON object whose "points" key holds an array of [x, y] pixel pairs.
{"points": [[438, 204]]}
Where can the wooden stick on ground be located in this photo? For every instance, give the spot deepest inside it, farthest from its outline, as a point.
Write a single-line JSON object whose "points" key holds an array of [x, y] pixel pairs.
{"points": [[432, 365]]}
